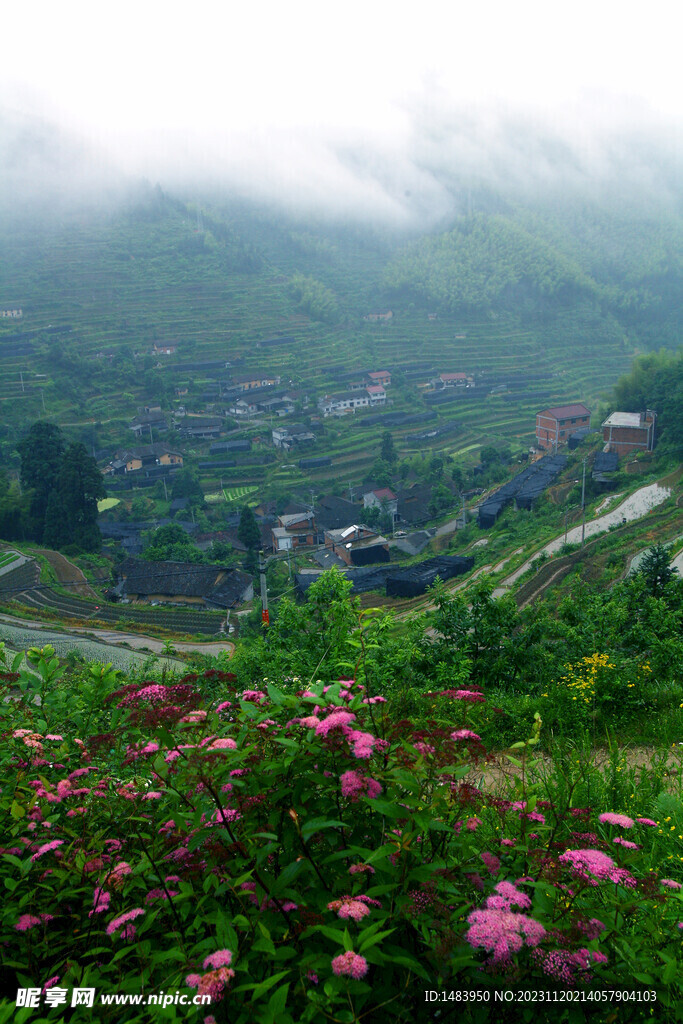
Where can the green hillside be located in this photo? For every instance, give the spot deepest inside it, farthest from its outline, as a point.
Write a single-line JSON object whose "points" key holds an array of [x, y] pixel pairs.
{"points": [[552, 303]]}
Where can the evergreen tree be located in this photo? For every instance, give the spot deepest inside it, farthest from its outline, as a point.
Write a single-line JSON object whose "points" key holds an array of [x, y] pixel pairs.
{"points": [[41, 454], [80, 486], [657, 569], [55, 528], [248, 531], [387, 451]]}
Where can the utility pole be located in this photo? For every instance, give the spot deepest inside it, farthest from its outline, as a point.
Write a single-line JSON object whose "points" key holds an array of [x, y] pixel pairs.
{"points": [[265, 618], [583, 506], [163, 480]]}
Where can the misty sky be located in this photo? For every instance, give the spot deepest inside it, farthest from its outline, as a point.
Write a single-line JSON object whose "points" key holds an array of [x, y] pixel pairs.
{"points": [[351, 103]]}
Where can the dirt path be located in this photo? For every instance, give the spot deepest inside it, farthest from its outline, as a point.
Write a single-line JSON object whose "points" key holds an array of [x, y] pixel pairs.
{"points": [[497, 774], [68, 574], [634, 507]]}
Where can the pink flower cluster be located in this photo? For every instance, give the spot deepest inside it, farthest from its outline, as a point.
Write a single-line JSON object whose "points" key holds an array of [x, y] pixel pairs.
{"points": [[350, 965], [508, 896], [563, 966], [461, 735], [354, 785], [357, 869], [593, 866], [221, 958], [500, 931], [123, 919], [349, 908], [622, 820]]}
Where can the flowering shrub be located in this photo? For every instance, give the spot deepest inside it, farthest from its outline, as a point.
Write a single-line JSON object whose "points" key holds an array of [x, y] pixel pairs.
{"points": [[303, 857]]}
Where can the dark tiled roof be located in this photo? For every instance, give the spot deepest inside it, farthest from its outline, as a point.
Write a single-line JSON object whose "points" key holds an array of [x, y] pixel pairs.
{"points": [[182, 579]]}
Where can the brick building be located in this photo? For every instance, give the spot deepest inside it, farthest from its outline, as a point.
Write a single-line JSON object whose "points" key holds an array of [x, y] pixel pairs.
{"points": [[626, 432], [554, 426]]}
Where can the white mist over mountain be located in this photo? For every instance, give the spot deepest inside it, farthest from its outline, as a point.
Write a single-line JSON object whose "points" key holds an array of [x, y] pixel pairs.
{"points": [[371, 111]]}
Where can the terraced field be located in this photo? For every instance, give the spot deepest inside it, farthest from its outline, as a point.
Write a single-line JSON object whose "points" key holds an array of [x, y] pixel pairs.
{"points": [[21, 587]]}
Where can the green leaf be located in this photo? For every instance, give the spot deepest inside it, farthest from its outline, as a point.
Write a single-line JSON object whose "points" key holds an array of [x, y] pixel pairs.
{"points": [[372, 940], [317, 825], [278, 1001], [17, 811], [264, 986], [670, 972]]}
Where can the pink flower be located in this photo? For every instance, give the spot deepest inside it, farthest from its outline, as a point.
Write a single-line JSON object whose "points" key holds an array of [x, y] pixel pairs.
{"points": [[357, 869], [100, 901], [310, 722], [622, 820], [223, 744], [470, 696], [626, 843], [213, 984], [46, 847], [26, 921], [563, 965], [508, 896], [670, 883], [593, 866], [221, 958], [472, 824], [591, 929], [424, 748], [502, 933], [349, 908], [193, 980], [50, 981], [154, 794], [647, 821], [350, 965], [491, 861], [354, 785], [335, 720], [117, 922], [255, 696], [362, 743], [465, 734]]}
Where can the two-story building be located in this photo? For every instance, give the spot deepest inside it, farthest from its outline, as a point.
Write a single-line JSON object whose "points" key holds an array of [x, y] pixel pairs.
{"points": [[626, 432], [554, 426], [382, 377], [294, 531], [383, 498], [376, 394], [344, 403]]}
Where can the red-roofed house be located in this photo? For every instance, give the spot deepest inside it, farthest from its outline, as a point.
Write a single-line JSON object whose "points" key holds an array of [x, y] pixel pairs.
{"points": [[455, 380], [382, 377], [378, 395], [553, 426], [383, 498]]}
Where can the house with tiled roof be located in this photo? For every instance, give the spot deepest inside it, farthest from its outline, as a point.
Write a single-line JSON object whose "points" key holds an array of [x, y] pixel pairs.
{"points": [[294, 531], [381, 497], [183, 583], [555, 425], [377, 394], [382, 377]]}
